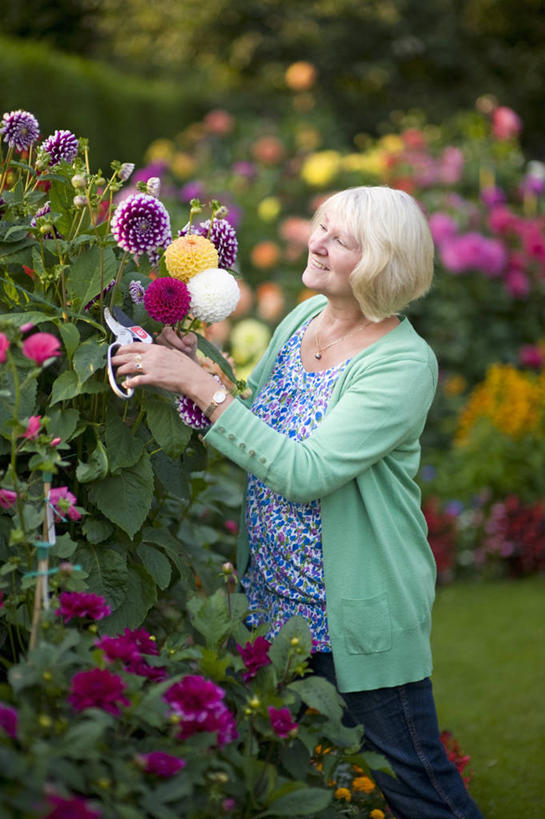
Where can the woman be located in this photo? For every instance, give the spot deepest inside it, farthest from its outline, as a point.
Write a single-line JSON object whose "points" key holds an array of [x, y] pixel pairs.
{"points": [[333, 528]]}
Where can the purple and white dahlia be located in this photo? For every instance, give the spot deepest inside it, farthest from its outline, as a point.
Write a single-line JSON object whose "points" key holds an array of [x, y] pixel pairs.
{"points": [[62, 146], [222, 236], [43, 211], [141, 224], [190, 413], [20, 129], [136, 292]]}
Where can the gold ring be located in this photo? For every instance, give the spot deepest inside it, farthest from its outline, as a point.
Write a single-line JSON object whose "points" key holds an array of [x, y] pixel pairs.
{"points": [[139, 365], [138, 357]]}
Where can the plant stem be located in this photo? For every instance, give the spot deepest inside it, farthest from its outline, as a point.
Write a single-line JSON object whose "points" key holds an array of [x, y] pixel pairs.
{"points": [[118, 277], [6, 168]]}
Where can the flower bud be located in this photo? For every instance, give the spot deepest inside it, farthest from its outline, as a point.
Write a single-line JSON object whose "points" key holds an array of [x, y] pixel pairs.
{"points": [[66, 567], [100, 181], [47, 227], [153, 186], [78, 181], [219, 776], [45, 721], [55, 441], [294, 641], [125, 171], [47, 676], [227, 569], [254, 703], [221, 212], [80, 201]]}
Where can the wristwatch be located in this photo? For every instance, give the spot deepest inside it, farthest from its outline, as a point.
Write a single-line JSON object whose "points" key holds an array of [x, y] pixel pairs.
{"points": [[217, 399]]}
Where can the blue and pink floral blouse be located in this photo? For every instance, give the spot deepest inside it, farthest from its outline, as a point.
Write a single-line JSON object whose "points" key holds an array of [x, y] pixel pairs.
{"points": [[285, 575]]}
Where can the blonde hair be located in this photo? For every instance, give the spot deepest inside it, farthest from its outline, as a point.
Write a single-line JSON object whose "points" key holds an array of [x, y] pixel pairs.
{"points": [[396, 266]]}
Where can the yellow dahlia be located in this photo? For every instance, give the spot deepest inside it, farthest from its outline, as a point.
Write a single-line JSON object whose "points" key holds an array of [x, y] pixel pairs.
{"points": [[189, 255]]}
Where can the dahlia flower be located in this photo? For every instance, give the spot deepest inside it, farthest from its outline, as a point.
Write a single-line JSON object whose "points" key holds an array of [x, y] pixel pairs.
{"points": [[140, 224], [4, 347], [82, 604], [281, 722], [190, 413], [97, 688], [167, 300], [40, 347], [63, 501], [43, 211], [7, 498], [125, 171], [200, 704], [223, 237], [62, 146], [72, 808], [255, 656], [160, 763], [136, 292], [20, 129], [189, 255], [129, 648], [214, 295], [8, 720]]}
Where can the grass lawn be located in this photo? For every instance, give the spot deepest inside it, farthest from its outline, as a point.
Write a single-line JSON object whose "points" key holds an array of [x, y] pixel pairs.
{"points": [[489, 682]]}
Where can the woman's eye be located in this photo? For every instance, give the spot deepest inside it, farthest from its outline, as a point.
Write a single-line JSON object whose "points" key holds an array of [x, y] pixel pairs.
{"points": [[340, 241]]}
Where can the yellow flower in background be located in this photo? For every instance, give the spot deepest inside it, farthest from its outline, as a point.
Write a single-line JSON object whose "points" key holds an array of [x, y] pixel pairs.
{"points": [[363, 784], [391, 143], [160, 149], [307, 138], [182, 165], [343, 793], [321, 168], [510, 400], [454, 385], [189, 255], [377, 814], [249, 339], [370, 162], [300, 76], [269, 209]]}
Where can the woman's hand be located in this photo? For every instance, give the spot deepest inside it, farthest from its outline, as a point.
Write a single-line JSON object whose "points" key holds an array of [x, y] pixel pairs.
{"points": [[187, 344], [157, 365]]}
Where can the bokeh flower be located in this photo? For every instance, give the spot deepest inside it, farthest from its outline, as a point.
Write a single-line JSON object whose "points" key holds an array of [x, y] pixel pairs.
{"points": [[40, 347], [343, 793], [189, 255], [167, 300], [4, 347], [222, 235], [265, 254], [506, 124], [281, 722], [214, 295], [160, 763], [97, 688], [82, 604], [7, 498], [249, 339], [270, 301], [20, 129], [218, 121], [8, 720], [268, 149], [73, 807], [300, 76], [255, 656], [63, 501], [363, 784], [321, 168], [141, 224], [62, 146]]}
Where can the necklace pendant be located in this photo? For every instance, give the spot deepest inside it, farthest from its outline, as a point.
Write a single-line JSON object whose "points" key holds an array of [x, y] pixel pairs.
{"points": [[317, 356]]}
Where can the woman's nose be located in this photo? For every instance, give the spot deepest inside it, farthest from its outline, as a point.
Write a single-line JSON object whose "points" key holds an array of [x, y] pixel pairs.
{"points": [[316, 243]]}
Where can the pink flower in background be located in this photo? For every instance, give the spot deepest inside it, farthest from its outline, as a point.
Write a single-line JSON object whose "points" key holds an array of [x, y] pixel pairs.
{"points": [[472, 251], [39, 347], [160, 763], [7, 498], [64, 503], [199, 703], [255, 656], [82, 604], [72, 808], [501, 220], [505, 123], [129, 648], [492, 196], [33, 427], [1, 598], [8, 720], [442, 227], [532, 356], [4, 347], [97, 688], [517, 283], [451, 165], [281, 722]]}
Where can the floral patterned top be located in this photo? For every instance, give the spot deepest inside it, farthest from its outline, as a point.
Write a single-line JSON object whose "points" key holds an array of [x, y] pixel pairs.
{"points": [[285, 574]]}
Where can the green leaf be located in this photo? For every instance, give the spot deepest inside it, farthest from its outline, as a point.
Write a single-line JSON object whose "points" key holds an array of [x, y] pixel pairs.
{"points": [[172, 475], [61, 196], [70, 337], [282, 652], [141, 595], [320, 694], [171, 545], [27, 400], [64, 546], [156, 563], [97, 531], [84, 279], [66, 386], [62, 423], [89, 358], [166, 426], [82, 739], [301, 802], [107, 572], [212, 352], [96, 467], [211, 617], [124, 448], [126, 498]]}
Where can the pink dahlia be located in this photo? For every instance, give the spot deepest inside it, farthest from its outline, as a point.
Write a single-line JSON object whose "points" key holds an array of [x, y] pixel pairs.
{"points": [[223, 236], [141, 224], [129, 648], [62, 146], [20, 129], [167, 300], [97, 688], [64, 502], [281, 722], [160, 763], [7, 498], [8, 720], [82, 604], [72, 808], [199, 703], [40, 347], [4, 347], [255, 656]]}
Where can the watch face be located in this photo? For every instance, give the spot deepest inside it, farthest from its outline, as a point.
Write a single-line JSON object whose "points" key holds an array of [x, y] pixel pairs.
{"points": [[219, 396]]}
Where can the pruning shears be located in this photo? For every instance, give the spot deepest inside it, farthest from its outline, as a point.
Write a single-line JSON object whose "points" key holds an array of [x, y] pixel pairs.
{"points": [[125, 333]]}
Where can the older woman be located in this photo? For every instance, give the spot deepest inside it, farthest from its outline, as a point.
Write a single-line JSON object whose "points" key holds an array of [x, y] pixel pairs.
{"points": [[333, 529]]}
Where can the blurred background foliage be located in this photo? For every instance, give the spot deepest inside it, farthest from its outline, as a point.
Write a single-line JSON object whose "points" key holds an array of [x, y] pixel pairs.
{"points": [[173, 59]]}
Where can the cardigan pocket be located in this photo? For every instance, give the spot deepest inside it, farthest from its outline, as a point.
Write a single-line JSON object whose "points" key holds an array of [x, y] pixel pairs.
{"points": [[367, 626]]}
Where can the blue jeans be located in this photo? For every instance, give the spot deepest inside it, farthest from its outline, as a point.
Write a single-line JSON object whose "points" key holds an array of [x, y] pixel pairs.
{"points": [[401, 724]]}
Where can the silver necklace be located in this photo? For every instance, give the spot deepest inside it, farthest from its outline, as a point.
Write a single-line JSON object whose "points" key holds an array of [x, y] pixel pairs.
{"points": [[320, 350]]}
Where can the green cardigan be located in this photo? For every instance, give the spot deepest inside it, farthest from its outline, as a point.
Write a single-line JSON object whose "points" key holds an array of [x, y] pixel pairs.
{"points": [[360, 462]]}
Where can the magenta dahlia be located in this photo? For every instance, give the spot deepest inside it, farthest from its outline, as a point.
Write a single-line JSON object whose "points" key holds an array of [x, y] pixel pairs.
{"points": [[8, 720], [141, 224], [20, 129], [199, 703], [74, 807], [255, 656], [281, 722], [167, 300], [82, 604], [62, 146], [160, 763], [97, 688], [222, 236], [190, 413]]}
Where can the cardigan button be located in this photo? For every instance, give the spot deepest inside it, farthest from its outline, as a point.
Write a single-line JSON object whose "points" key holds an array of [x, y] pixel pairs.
{"points": [[221, 429], [231, 436], [251, 452], [242, 445], [263, 460]]}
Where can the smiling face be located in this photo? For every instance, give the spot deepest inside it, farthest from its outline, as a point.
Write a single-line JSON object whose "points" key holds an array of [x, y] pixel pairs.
{"points": [[333, 253]]}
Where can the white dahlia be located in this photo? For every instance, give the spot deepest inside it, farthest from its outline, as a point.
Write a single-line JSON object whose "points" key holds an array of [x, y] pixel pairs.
{"points": [[214, 294]]}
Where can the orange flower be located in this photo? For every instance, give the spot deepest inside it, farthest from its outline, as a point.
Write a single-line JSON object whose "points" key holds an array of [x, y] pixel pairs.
{"points": [[268, 149], [377, 814], [218, 121], [265, 254], [270, 301], [300, 76], [363, 783], [343, 793]]}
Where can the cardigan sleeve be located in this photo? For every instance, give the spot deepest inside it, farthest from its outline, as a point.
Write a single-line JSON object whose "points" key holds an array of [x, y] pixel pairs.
{"points": [[383, 407]]}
